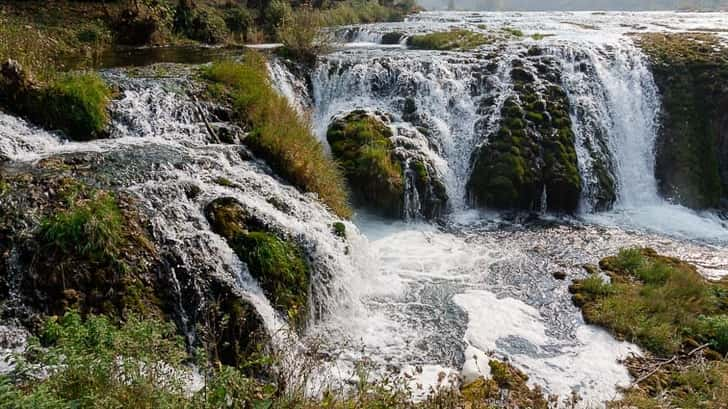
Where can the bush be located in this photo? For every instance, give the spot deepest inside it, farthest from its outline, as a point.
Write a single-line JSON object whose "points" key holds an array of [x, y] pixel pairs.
{"points": [[239, 20], [302, 37], [278, 133], [278, 14]]}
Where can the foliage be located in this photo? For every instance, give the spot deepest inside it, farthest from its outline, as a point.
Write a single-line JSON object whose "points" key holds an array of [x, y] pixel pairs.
{"points": [[278, 133], [95, 364], [658, 302], [77, 104], [302, 37], [448, 40], [91, 228]]}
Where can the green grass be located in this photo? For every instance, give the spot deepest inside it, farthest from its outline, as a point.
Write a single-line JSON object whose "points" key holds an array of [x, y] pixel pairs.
{"points": [[448, 40], [513, 31], [279, 134], [658, 302], [77, 104], [92, 228], [94, 363]]}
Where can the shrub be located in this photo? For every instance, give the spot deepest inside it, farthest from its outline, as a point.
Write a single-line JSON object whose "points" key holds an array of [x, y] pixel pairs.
{"points": [[302, 37], [280, 134], [714, 329], [277, 15], [239, 20]]}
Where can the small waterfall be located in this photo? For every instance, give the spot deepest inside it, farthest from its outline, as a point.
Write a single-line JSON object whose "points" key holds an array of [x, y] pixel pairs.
{"points": [[442, 97]]}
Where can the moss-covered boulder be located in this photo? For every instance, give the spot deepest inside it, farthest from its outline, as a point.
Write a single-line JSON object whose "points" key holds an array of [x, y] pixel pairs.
{"points": [[531, 152], [73, 103], [276, 262], [506, 387], [390, 176], [362, 145], [691, 71]]}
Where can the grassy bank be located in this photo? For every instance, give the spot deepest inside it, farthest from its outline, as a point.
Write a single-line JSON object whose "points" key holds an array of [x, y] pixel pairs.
{"points": [[681, 319], [278, 133]]}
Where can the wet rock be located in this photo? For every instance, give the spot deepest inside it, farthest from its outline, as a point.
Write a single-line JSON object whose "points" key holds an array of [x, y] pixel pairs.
{"points": [[591, 268], [559, 275], [362, 144], [276, 262], [530, 161], [392, 38], [690, 71]]}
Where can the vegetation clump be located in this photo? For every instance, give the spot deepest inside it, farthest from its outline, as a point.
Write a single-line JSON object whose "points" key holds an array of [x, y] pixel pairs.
{"points": [[361, 143], [77, 104], [277, 263], [459, 39], [664, 305], [278, 133], [689, 69]]}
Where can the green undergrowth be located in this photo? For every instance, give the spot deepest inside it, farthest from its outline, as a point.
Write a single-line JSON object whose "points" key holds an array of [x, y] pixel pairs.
{"points": [[660, 303], [449, 40], [92, 362], [278, 133]]}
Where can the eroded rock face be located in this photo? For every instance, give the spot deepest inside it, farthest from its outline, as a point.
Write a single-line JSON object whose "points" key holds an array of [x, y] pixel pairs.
{"points": [[387, 173], [533, 150], [691, 72]]}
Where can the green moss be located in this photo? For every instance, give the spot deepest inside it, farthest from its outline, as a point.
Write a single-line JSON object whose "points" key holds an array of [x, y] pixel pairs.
{"points": [[658, 302], [277, 263], [688, 69], [339, 229], [91, 228], [74, 103], [513, 31], [448, 40], [361, 144], [535, 117], [224, 182], [280, 268]]}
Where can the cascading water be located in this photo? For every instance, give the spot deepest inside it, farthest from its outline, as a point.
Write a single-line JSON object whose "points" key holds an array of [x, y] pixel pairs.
{"points": [[443, 298], [416, 298]]}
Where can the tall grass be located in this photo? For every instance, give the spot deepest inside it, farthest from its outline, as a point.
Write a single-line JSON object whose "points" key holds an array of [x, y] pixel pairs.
{"points": [[279, 133]]}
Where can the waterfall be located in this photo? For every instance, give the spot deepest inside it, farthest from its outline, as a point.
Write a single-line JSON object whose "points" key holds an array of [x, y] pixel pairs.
{"points": [[159, 151], [449, 96]]}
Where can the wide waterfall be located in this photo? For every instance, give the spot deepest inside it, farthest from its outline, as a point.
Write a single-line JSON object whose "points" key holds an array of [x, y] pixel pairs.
{"points": [[426, 301]]}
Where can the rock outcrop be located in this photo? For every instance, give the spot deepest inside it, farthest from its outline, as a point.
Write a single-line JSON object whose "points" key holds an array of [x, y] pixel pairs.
{"points": [[531, 157], [691, 72], [386, 173]]}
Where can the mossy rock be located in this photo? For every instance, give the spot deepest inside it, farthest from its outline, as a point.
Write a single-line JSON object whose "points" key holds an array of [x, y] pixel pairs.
{"points": [[277, 263], [532, 151], [361, 144], [76, 104], [449, 40], [691, 155]]}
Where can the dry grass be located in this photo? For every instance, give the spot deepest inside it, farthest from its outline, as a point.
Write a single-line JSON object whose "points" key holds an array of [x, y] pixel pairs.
{"points": [[279, 133]]}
